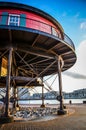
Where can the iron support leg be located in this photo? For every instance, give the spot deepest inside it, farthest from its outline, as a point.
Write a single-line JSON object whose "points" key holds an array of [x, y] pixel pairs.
{"points": [[61, 109], [42, 95], [60, 84], [8, 83], [14, 103]]}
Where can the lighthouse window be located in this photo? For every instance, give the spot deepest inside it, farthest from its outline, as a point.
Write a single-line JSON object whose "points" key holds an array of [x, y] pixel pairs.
{"points": [[13, 20], [54, 32]]}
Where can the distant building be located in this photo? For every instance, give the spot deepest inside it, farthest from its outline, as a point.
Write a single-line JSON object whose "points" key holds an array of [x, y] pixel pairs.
{"points": [[52, 94], [47, 95], [81, 93], [23, 93], [77, 94]]}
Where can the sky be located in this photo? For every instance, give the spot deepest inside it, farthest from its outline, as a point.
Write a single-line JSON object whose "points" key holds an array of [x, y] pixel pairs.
{"points": [[71, 14]]}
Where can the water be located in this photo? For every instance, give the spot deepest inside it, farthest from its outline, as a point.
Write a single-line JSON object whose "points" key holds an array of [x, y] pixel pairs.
{"points": [[66, 101]]}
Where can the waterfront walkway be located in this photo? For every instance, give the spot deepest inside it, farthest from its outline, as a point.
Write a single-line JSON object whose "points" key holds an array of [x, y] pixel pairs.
{"points": [[75, 121]]}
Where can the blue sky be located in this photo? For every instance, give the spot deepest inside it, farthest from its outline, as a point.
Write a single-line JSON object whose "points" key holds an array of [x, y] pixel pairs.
{"points": [[71, 14]]}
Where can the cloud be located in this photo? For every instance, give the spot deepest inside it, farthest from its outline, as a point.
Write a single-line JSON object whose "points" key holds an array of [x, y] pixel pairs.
{"points": [[64, 14], [84, 36], [75, 77], [77, 15], [83, 25], [80, 65]]}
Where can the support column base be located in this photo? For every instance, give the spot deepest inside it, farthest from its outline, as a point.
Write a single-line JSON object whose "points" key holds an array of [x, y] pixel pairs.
{"points": [[17, 108], [8, 119], [42, 106], [61, 112]]}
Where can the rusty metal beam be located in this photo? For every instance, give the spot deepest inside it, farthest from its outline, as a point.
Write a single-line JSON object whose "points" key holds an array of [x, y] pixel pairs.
{"points": [[8, 82], [37, 52]]}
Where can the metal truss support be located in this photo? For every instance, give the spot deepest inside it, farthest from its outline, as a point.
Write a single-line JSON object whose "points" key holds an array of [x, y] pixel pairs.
{"points": [[61, 109], [41, 73], [15, 97], [43, 105], [8, 81]]}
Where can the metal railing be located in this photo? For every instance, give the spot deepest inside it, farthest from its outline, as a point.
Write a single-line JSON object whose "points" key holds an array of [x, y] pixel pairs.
{"points": [[41, 26], [69, 41]]}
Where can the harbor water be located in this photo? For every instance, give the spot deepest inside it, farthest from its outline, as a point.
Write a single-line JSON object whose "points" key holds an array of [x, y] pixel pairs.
{"points": [[66, 101]]}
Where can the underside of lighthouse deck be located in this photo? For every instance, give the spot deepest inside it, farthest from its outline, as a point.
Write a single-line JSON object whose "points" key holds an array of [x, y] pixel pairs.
{"points": [[35, 52]]}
